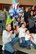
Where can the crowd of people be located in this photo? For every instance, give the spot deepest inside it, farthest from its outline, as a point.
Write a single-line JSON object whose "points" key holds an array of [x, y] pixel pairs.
{"points": [[29, 16], [18, 30]]}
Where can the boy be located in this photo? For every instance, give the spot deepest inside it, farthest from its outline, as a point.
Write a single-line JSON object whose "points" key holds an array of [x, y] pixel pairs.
{"points": [[28, 40], [8, 39]]}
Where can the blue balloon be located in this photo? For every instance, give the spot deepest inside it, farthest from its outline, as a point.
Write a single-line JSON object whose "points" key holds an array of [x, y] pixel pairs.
{"points": [[12, 11], [18, 10], [15, 2]]}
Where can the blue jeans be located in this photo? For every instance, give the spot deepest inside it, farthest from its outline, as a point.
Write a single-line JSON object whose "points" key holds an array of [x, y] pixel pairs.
{"points": [[22, 42], [34, 45], [26, 44], [29, 42], [9, 46]]}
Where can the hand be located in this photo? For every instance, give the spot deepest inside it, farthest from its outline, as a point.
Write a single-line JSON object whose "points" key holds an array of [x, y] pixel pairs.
{"points": [[15, 31], [31, 37], [11, 32]]}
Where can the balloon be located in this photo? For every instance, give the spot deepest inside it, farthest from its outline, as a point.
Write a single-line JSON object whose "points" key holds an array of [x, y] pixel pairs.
{"points": [[11, 11], [15, 2], [15, 10], [18, 10], [13, 5]]}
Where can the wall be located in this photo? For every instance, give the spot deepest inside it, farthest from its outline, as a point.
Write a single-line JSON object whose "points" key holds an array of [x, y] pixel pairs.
{"points": [[27, 2], [6, 1], [23, 3]]}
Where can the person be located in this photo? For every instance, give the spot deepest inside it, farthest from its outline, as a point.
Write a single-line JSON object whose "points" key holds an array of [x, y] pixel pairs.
{"points": [[8, 39], [28, 40], [22, 19], [21, 35], [18, 20], [31, 22], [13, 23], [26, 14], [5, 13], [21, 30], [32, 14]]}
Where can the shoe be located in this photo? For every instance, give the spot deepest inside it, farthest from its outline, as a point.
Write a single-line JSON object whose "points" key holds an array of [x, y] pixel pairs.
{"points": [[28, 47], [34, 48]]}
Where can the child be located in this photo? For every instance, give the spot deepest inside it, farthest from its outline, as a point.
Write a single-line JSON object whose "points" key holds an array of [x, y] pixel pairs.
{"points": [[22, 30], [28, 40], [8, 39], [21, 36]]}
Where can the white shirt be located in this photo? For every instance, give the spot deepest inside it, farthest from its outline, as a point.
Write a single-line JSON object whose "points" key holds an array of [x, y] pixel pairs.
{"points": [[34, 36], [22, 32], [27, 37], [7, 37]]}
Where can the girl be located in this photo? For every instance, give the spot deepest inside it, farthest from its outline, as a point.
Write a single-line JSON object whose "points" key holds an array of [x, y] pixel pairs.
{"points": [[8, 39]]}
